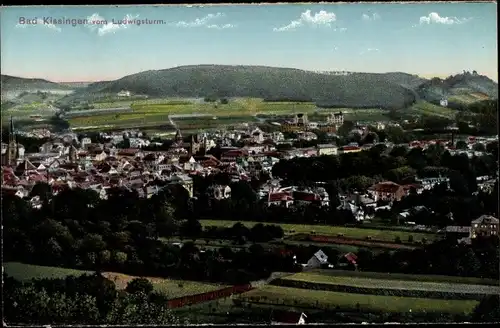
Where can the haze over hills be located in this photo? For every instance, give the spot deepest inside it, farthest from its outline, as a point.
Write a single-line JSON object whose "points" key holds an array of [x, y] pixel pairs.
{"points": [[11, 83], [14, 87], [355, 90], [272, 83], [459, 87]]}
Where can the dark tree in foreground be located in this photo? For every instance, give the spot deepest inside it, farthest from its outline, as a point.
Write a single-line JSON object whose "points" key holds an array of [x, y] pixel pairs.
{"points": [[488, 310]]}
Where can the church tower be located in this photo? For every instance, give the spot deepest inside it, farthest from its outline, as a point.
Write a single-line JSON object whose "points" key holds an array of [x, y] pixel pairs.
{"points": [[72, 155], [12, 149], [178, 136]]}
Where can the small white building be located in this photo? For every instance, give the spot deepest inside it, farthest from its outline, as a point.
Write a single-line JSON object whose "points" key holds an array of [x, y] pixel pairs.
{"points": [[317, 260], [123, 93]]}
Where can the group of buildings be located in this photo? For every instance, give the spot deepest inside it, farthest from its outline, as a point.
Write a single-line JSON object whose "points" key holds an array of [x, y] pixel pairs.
{"points": [[301, 122], [69, 161]]}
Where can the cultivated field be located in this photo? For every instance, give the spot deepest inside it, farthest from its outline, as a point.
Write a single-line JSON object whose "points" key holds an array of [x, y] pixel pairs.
{"points": [[403, 276], [358, 233], [390, 285], [168, 287], [238, 110], [297, 297], [428, 109]]}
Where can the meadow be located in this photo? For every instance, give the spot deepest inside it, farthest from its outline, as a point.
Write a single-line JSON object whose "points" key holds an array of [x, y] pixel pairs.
{"points": [[428, 109], [357, 233], [168, 287], [400, 276], [315, 299], [372, 285], [237, 110]]}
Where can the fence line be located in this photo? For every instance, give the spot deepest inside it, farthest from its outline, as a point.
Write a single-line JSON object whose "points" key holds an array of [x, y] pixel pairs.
{"points": [[208, 296]]}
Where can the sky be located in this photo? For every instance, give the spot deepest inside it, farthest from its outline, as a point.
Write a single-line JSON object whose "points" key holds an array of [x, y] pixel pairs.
{"points": [[95, 43]]}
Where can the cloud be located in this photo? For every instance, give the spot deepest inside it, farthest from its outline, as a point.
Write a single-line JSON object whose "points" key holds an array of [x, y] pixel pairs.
{"points": [[205, 22], [321, 18], [40, 22], [434, 18], [369, 50], [95, 22], [373, 17], [221, 27]]}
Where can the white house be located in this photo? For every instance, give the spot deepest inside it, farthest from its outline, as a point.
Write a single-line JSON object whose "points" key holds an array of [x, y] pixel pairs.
{"points": [[123, 93], [318, 259], [327, 149]]}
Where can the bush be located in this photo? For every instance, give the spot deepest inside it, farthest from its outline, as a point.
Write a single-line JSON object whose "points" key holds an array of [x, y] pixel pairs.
{"points": [[139, 285], [397, 240], [410, 239]]}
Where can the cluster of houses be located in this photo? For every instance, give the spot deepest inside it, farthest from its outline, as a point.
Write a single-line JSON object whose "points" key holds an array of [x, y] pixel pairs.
{"points": [[69, 161], [485, 225]]}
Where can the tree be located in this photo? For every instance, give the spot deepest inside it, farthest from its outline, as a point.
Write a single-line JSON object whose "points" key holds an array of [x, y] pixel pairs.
{"points": [[461, 145], [119, 258], [468, 265], [42, 190], [139, 285], [346, 128], [191, 228], [93, 243], [479, 147], [488, 310]]}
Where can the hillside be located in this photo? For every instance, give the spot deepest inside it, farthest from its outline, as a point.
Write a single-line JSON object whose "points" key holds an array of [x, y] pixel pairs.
{"points": [[359, 90], [459, 89], [14, 83]]}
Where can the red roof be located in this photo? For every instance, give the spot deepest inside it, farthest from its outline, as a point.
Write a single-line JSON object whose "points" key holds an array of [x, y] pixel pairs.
{"points": [[236, 152], [306, 196], [128, 152], [279, 196], [388, 187], [350, 148], [351, 257]]}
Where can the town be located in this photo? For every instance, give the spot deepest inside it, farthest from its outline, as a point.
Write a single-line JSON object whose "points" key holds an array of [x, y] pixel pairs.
{"points": [[350, 179]]}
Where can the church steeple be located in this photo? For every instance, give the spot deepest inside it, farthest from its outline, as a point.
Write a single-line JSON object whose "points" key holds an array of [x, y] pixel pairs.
{"points": [[12, 147], [12, 133], [178, 135]]}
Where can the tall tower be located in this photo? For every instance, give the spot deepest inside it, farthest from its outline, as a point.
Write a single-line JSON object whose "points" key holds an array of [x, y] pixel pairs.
{"points": [[72, 155], [11, 151], [178, 136]]}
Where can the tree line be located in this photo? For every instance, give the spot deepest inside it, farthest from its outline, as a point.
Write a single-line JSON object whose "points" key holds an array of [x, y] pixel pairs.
{"points": [[87, 299], [124, 233]]}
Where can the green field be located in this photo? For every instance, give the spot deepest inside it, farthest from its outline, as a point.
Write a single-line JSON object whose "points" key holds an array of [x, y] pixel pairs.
{"points": [[369, 285], [428, 109], [351, 114], [236, 111], [168, 287], [25, 272], [347, 301], [401, 276], [358, 233]]}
